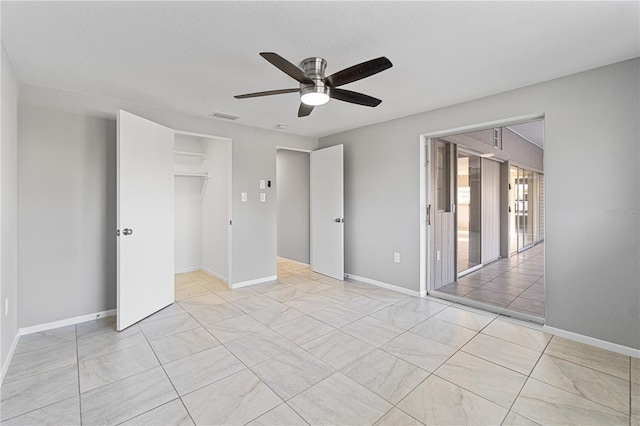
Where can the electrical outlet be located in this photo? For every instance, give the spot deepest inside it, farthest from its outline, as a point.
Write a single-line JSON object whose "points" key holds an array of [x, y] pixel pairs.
{"points": [[396, 257], [263, 197], [243, 197]]}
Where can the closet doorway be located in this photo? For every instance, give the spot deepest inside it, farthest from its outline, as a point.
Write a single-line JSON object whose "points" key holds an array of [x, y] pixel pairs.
{"points": [[202, 187]]}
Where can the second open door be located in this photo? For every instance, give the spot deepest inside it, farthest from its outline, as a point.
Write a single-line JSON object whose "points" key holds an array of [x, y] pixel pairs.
{"points": [[327, 212]]}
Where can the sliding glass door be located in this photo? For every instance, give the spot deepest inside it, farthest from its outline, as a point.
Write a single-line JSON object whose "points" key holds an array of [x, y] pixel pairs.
{"points": [[468, 209], [525, 186]]}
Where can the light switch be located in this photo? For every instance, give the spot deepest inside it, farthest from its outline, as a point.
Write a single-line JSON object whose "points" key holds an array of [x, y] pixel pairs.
{"points": [[263, 184], [263, 197], [243, 197]]}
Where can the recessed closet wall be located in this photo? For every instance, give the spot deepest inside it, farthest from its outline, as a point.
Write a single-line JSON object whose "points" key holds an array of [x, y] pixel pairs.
{"points": [[202, 170]]}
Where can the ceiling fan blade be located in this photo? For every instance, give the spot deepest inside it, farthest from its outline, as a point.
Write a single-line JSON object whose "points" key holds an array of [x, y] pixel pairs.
{"points": [[354, 97], [304, 110], [358, 72], [267, 93], [287, 67]]}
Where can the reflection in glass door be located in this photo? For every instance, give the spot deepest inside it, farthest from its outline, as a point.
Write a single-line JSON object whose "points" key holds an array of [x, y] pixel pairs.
{"points": [[525, 185], [469, 211]]}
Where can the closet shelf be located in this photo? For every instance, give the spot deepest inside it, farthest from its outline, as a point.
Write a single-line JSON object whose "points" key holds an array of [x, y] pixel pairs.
{"points": [[200, 155], [204, 175]]}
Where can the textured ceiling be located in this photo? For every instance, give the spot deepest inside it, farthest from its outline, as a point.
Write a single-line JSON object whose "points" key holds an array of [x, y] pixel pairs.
{"points": [[193, 57]]}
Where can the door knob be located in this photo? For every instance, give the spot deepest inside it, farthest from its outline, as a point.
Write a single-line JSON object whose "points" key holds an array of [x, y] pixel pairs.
{"points": [[338, 220], [127, 231]]}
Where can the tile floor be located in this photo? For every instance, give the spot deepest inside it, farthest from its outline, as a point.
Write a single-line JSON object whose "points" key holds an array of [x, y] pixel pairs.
{"points": [[516, 283], [307, 349]]}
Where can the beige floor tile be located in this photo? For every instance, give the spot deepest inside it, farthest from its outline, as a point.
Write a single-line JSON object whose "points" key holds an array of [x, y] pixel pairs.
{"points": [[399, 317], [438, 402], [339, 400], [421, 306], [590, 356], [365, 305], [514, 419], [444, 332], [338, 349], [517, 334], [65, 412], [189, 292], [385, 375], [45, 339], [105, 369], [503, 353], [282, 415], [337, 316], [302, 329], [545, 404], [234, 400], [419, 351], [486, 379], [373, 331], [258, 347], [127, 398], [104, 343], [292, 372], [464, 318], [167, 326], [183, 344], [490, 297], [37, 391], [40, 360], [285, 294], [309, 304], [200, 369], [583, 381], [208, 314], [171, 413], [230, 295], [396, 417], [234, 328]]}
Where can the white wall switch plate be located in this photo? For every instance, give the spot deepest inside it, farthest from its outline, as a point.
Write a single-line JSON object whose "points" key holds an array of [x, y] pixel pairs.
{"points": [[396, 257], [263, 197], [263, 184], [243, 197]]}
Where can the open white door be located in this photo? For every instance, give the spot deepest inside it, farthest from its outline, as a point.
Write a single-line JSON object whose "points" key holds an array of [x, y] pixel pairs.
{"points": [[327, 212], [145, 218]]}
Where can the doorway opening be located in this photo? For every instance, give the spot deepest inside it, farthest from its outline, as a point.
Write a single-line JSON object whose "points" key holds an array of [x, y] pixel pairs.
{"points": [[483, 216], [293, 210], [202, 196]]}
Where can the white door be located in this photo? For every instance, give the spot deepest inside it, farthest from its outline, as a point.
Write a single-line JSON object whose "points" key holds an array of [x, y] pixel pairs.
{"points": [[327, 212], [145, 218]]}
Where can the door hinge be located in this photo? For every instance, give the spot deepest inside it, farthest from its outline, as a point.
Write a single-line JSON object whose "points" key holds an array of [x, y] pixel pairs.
{"points": [[117, 233]]}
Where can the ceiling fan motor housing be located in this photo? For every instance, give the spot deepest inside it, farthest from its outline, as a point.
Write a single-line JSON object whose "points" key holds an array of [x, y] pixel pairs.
{"points": [[314, 67]]}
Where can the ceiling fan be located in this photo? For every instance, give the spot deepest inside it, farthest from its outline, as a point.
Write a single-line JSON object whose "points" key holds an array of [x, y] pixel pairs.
{"points": [[316, 89]]}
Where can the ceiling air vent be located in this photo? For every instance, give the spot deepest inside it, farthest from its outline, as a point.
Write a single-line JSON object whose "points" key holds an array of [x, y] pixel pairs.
{"points": [[223, 116]]}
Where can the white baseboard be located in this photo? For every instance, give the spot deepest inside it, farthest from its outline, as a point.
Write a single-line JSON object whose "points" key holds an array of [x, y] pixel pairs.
{"points": [[202, 268], [253, 282], [218, 276], [6, 364], [185, 270], [602, 344], [403, 290], [293, 261], [65, 322]]}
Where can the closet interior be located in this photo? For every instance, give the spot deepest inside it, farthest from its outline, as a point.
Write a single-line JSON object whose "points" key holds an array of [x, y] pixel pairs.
{"points": [[202, 205]]}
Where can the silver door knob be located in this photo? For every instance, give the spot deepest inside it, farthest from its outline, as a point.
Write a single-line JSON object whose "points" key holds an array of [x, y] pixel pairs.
{"points": [[127, 231]]}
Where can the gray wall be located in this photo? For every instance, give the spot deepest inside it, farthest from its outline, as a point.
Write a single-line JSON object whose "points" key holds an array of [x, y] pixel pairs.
{"points": [[292, 184], [68, 204], [8, 208], [591, 167]]}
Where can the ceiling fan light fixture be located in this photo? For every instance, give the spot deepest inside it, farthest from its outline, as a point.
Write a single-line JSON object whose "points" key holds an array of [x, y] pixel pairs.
{"points": [[314, 95], [314, 98]]}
